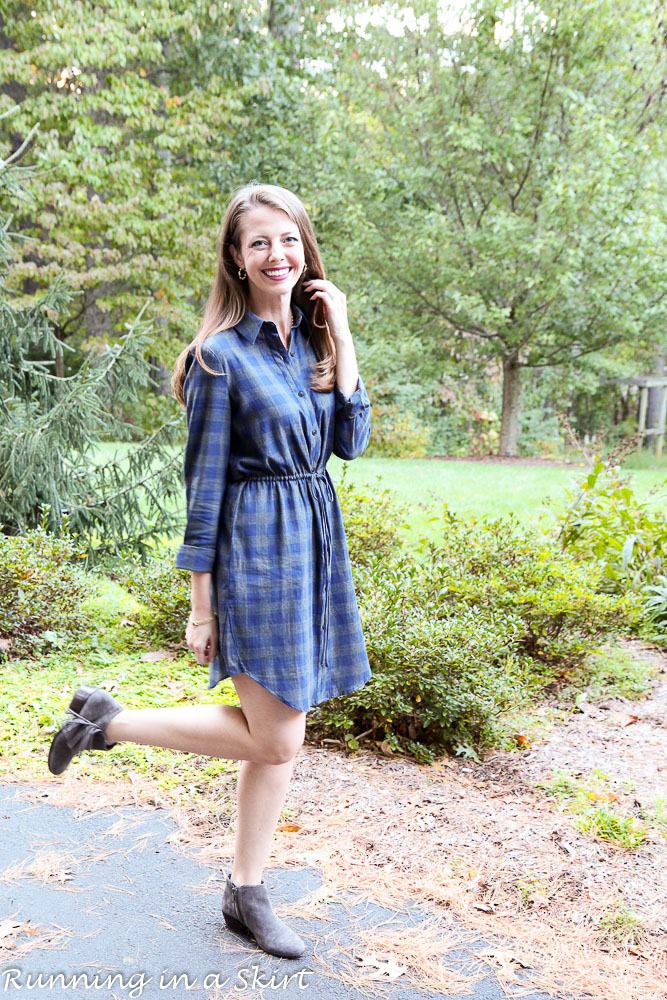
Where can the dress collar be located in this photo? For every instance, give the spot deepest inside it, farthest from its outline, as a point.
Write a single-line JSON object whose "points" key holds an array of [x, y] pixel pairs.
{"points": [[250, 325]]}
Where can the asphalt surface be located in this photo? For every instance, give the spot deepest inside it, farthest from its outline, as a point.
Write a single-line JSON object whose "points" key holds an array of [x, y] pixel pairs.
{"points": [[134, 917]]}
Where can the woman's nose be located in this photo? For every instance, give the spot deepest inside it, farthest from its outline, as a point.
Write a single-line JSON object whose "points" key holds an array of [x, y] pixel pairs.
{"points": [[276, 252]]}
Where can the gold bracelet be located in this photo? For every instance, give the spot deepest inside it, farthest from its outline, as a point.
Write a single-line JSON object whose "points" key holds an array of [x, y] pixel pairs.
{"points": [[204, 621]]}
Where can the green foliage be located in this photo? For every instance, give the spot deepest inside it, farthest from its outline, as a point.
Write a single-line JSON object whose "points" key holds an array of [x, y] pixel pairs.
{"points": [[487, 619], [165, 593], [604, 520], [504, 565], [591, 801], [42, 588], [657, 598], [518, 220], [620, 925], [373, 518], [50, 424], [137, 106], [397, 433], [606, 824]]}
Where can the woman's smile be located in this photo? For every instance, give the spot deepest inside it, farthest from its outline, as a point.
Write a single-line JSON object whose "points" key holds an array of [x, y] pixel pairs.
{"points": [[276, 273]]}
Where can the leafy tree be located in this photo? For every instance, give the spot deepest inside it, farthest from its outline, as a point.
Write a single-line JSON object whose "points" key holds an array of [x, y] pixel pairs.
{"points": [[133, 102], [508, 177], [49, 425]]}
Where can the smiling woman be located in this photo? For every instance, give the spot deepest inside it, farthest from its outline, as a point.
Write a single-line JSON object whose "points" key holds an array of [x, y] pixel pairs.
{"points": [[271, 389]]}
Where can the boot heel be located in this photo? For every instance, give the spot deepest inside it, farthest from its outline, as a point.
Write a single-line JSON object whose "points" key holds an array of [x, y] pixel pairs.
{"points": [[235, 925], [80, 697]]}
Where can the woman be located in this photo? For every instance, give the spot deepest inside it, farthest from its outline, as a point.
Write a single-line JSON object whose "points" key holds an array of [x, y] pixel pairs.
{"points": [[271, 388]]}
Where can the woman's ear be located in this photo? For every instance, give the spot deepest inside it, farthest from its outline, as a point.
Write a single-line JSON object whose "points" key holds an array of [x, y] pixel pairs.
{"points": [[236, 255]]}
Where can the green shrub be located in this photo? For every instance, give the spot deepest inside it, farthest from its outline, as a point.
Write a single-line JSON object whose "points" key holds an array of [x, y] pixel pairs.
{"points": [[165, 592], [437, 679], [490, 617], [373, 520], [605, 520], [397, 433], [656, 595], [42, 588], [505, 565]]}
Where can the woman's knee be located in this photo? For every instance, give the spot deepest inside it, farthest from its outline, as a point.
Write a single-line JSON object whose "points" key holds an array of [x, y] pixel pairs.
{"points": [[277, 729], [281, 745]]}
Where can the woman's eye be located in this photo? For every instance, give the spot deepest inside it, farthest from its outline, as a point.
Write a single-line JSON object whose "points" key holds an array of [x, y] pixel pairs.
{"points": [[255, 242]]}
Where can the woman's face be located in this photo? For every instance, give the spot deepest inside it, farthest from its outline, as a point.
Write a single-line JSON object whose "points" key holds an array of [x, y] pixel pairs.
{"points": [[271, 251]]}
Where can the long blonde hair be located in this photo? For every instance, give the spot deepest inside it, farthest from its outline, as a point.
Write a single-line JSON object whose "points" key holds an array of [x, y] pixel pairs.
{"points": [[228, 299]]}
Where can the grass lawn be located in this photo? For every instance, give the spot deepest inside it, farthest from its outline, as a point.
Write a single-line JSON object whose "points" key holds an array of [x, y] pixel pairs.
{"points": [[469, 488], [478, 488]]}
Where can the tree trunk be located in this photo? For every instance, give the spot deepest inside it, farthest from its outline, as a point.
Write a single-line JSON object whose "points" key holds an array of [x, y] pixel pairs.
{"points": [[655, 392], [510, 415], [60, 362]]}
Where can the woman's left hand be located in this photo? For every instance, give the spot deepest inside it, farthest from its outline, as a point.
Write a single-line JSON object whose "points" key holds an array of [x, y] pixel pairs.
{"points": [[334, 303]]}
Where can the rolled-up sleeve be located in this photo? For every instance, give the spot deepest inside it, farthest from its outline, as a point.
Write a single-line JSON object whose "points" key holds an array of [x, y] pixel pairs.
{"points": [[352, 422], [205, 461]]}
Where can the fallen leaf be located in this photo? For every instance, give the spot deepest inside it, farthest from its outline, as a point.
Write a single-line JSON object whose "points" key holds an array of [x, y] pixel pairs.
{"points": [[484, 907], [5, 643], [503, 960], [386, 749], [384, 967], [289, 828], [175, 688], [521, 740], [629, 721], [602, 796], [158, 654]]}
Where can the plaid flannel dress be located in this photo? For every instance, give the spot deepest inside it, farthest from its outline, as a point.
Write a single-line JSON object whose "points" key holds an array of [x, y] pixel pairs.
{"points": [[263, 516]]}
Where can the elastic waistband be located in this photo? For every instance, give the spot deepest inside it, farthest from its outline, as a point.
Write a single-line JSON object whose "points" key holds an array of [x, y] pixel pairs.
{"points": [[286, 475], [314, 476]]}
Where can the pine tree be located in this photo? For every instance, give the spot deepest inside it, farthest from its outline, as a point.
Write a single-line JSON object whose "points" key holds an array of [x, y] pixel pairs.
{"points": [[49, 425]]}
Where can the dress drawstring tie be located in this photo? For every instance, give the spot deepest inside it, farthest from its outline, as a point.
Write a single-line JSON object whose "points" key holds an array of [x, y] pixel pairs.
{"points": [[320, 489]]}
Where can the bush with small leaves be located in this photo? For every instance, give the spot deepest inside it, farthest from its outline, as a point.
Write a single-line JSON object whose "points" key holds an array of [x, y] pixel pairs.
{"points": [[42, 588], [604, 520], [165, 592], [491, 617]]}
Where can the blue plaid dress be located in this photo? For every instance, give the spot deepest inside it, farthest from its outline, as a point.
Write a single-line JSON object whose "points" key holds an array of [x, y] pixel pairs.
{"points": [[263, 516]]}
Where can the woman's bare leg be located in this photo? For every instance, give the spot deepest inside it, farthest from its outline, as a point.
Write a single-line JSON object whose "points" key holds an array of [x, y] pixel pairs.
{"points": [[271, 734], [264, 733], [261, 788]]}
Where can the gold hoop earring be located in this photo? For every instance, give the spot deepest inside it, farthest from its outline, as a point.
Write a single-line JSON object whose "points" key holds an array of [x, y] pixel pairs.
{"points": [[244, 275]]}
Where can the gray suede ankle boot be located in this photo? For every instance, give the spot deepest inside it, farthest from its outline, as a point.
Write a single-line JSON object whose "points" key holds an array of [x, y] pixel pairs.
{"points": [[247, 909], [92, 709]]}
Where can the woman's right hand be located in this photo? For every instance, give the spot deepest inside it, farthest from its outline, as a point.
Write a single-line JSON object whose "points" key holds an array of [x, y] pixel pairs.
{"points": [[202, 639]]}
